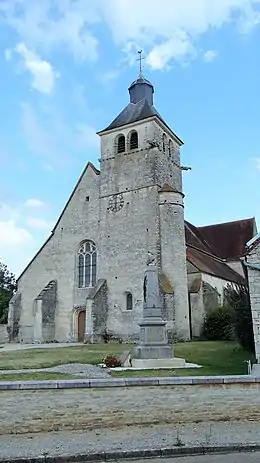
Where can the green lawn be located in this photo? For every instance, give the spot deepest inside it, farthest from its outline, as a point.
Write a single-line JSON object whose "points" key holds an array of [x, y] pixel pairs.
{"points": [[217, 358], [35, 376], [44, 358]]}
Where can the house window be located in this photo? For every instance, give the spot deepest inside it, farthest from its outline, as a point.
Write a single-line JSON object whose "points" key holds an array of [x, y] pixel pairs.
{"points": [[129, 301], [163, 142], [134, 140], [170, 148], [87, 265], [121, 144]]}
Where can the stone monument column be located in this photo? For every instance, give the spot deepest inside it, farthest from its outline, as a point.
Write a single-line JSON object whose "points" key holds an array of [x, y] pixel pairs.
{"points": [[153, 349]]}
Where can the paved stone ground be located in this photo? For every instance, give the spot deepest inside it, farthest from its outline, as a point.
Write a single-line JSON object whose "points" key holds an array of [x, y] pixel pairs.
{"points": [[233, 458], [45, 410], [127, 439], [196, 414]]}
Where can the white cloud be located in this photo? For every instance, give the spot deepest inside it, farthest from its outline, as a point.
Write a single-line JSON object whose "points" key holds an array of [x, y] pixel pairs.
{"points": [[13, 235], [33, 203], [52, 24], [42, 72], [17, 243], [210, 55], [38, 223], [168, 30]]}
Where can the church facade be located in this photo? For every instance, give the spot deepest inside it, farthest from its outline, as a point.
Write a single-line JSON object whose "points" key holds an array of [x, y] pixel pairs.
{"points": [[87, 279]]}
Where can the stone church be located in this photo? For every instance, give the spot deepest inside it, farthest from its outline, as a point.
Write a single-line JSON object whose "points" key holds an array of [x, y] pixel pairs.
{"points": [[87, 279]]}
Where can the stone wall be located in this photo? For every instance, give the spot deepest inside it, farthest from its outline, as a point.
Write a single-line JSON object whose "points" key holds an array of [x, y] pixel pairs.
{"points": [[253, 259], [3, 334], [14, 316], [57, 260]]}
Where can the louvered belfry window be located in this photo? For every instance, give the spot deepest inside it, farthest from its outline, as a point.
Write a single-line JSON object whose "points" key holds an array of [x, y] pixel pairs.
{"points": [[121, 144], [134, 140]]}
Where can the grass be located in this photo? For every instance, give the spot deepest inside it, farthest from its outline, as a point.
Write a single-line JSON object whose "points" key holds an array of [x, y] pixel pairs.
{"points": [[216, 358], [45, 358], [35, 376]]}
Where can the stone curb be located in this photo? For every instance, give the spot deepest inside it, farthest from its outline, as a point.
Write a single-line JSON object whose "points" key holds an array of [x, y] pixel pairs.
{"points": [[135, 454], [127, 382]]}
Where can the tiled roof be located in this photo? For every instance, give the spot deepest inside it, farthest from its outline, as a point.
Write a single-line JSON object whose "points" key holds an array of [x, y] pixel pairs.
{"points": [[228, 240], [205, 259], [211, 265]]}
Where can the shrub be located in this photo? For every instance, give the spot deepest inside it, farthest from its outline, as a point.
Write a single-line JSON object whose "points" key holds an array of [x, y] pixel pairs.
{"points": [[218, 323], [111, 361], [238, 299]]}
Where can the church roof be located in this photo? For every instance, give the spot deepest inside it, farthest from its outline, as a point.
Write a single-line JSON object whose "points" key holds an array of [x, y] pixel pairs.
{"points": [[134, 112], [204, 257], [139, 108], [228, 240]]}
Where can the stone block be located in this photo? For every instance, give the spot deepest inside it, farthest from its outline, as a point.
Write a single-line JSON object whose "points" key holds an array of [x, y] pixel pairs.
{"points": [[107, 382], [174, 381], [167, 363], [238, 379], [73, 383], [9, 385]]}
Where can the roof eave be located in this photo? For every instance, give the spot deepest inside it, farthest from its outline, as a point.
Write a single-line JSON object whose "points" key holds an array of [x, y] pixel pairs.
{"points": [[149, 118]]}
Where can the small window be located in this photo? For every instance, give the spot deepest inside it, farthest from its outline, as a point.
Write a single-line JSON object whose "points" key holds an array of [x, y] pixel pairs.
{"points": [[134, 141], [163, 142], [129, 301], [170, 148], [121, 144]]}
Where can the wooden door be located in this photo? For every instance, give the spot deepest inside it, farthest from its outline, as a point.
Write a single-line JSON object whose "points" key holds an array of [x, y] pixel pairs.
{"points": [[81, 325]]}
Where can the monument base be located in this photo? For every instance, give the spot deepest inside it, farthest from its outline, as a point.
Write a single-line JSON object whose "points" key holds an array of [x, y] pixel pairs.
{"points": [[158, 363], [153, 351]]}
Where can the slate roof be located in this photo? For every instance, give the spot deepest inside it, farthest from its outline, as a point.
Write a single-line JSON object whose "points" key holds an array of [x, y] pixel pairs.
{"points": [[134, 112], [228, 240]]}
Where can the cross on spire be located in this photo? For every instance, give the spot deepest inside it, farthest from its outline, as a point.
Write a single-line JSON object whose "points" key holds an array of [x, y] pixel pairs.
{"points": [[140, 58]]}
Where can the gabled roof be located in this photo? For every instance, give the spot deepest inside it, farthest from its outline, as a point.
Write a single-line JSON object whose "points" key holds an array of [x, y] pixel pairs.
{"points": [[203, 257], [212, 265], [228, 240]]}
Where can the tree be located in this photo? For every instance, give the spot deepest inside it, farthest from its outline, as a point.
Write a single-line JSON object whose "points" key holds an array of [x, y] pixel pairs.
{"points": [[7, 289], [238, 298]]}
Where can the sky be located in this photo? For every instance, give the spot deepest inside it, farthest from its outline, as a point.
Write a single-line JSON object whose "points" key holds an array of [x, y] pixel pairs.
{"points": [[65, 67]]}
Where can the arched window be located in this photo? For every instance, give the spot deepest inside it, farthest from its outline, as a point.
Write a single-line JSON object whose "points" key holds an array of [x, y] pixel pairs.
{"points": [[121, 144], [170, 148], [129, 301], [87, 265], [164, 142], [134, 140]]}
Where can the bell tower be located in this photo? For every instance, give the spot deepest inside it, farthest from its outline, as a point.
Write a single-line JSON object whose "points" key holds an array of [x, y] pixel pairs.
{"points": [[141, 212]]}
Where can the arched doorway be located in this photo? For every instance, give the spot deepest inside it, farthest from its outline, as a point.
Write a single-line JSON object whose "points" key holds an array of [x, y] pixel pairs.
{"points": [[81, 325]]}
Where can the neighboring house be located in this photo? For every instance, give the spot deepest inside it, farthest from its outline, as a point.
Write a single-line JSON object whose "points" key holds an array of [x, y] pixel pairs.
{"points": [[88, 276], [252, 262]]}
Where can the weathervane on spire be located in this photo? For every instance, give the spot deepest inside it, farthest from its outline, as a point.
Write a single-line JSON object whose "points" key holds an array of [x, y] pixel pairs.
{"points": [[140, 58]]}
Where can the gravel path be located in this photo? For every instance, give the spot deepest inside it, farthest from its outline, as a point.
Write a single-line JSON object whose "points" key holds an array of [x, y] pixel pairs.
{"points": [[77, 369], [133, 438]]}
